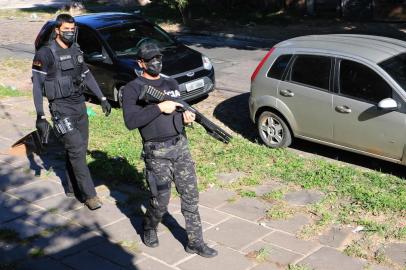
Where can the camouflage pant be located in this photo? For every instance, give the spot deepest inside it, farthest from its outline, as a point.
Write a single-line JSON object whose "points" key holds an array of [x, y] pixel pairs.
{"points": [[168, 162]]}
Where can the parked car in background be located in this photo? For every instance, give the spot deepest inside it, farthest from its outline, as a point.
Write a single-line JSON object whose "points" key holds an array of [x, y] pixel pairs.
{"points": [[345, 91], [109, 42]]}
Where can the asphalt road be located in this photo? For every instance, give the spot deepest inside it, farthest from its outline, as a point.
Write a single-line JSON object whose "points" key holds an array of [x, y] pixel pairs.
{"points": [[234, 60]]}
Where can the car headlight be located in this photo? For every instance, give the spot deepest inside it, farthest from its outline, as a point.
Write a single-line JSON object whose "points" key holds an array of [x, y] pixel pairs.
{"points": [[206, 63]]}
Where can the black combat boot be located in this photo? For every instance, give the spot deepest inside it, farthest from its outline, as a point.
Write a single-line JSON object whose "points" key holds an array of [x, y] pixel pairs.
{"points": [[151, 238], [202, 250]]}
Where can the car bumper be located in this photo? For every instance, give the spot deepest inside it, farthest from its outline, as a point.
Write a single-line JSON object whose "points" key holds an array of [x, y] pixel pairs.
{"points": [[252, 107], [191, 94]]}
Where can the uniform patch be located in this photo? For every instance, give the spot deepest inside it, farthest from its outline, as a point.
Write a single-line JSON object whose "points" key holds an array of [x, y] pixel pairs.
{"points": [[172, 93], [80, 59], [65, 57], [37, 63]]}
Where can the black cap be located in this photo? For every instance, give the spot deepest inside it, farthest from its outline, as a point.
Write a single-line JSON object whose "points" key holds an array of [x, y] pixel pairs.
{"points": [[148, 50]]}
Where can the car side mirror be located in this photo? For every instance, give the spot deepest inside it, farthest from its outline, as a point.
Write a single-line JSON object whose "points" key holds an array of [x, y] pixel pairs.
{"points": [[388, 104], [97, 57]]}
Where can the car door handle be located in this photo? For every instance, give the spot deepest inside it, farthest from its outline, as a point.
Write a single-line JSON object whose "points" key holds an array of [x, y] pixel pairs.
{"points": [[343, 109], [286, 93]]}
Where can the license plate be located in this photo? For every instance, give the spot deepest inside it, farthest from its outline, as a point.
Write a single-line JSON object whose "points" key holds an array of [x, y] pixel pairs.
{"points": [[194, 85]]}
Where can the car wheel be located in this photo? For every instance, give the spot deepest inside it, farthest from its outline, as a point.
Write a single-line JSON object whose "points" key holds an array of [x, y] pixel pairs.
{"points": [[273, 130], [120, 96]]}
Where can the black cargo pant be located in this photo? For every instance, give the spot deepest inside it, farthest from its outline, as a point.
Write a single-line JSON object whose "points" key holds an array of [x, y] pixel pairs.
{"points": [[75, 143], [166, 162]]}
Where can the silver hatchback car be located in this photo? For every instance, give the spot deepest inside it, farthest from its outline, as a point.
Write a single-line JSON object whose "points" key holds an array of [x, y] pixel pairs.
{"points": [[346, 91]]}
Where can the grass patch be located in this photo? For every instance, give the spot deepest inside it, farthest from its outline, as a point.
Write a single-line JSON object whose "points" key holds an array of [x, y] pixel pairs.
{"points": [[247, 193], [11, 92], [260, 255]]}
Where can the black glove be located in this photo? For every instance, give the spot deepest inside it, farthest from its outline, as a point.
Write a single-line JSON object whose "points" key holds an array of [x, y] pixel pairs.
{"points": [[42, 126], [106, 107]]}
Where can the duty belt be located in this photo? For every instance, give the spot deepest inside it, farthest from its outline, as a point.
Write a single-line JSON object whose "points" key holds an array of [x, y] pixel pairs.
{"points": [[158, 145]]}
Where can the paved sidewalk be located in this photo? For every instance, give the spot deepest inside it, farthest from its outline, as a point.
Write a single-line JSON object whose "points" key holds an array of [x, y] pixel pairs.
{"points": [[57, 232]]}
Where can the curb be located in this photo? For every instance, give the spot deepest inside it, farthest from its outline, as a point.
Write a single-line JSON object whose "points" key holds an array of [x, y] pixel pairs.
{"points": [[227, 36]]}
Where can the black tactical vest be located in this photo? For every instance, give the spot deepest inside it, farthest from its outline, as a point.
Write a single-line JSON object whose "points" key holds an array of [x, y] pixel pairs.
{"points": [[65, 77]]}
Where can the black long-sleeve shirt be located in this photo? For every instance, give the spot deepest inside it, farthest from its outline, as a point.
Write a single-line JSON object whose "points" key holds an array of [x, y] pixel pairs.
{"points": [[152, 124]]}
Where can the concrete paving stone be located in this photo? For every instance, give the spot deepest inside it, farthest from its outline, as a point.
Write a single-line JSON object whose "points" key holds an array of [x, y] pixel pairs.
{"points": [[124, 230], [107, 214], [228, 178], [211, 216], [290, 242], [377, 267], [328, 258], [89, 261], [5, 144], [151, 264], [47, 219], [174, 205], [215, 197], [68, 241], [24, 229], [267, 266], [13, 131], [247, 208], [118, 254], [337, 237], [273, 254], [12, 177], [37, 190], [13, 208], [43, 264], [170, 249], [59, 203], [266, 188], [226, 259], [304, 197], [13, 252], [396, 252], [225, 233], [291, 225]]}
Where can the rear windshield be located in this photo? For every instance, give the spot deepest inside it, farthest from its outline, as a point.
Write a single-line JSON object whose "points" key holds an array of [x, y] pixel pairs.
{"points": [[123, 40], [396, 67]]}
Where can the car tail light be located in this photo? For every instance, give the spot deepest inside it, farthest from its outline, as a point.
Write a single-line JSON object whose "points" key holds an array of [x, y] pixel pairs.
{"points": [[261, 64]]}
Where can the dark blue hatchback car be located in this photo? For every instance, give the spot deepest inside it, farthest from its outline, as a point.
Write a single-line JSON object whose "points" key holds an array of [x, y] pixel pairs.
{"points": [[109, 41]]}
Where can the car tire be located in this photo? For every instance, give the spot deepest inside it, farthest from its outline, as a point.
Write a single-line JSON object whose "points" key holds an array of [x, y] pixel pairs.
{"points": [[273, 130], [120, 96]]}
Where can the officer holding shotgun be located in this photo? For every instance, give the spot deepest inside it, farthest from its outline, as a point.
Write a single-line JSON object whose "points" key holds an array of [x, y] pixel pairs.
{"points": [[165, 150]]}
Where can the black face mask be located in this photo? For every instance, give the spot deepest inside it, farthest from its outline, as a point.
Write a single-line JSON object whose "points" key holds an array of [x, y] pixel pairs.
{"points": [[154, 66], [67, 37]]}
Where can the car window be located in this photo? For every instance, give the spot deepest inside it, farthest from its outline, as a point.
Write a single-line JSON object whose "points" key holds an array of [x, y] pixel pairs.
{"points": [[88, 41], [123, 40], [279, 66], [396, 67], [312, 70], [359, 81]]}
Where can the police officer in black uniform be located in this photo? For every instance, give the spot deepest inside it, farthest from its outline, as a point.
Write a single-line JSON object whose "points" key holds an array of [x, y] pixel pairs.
{"points": [[60, 73], [165, 150]]}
